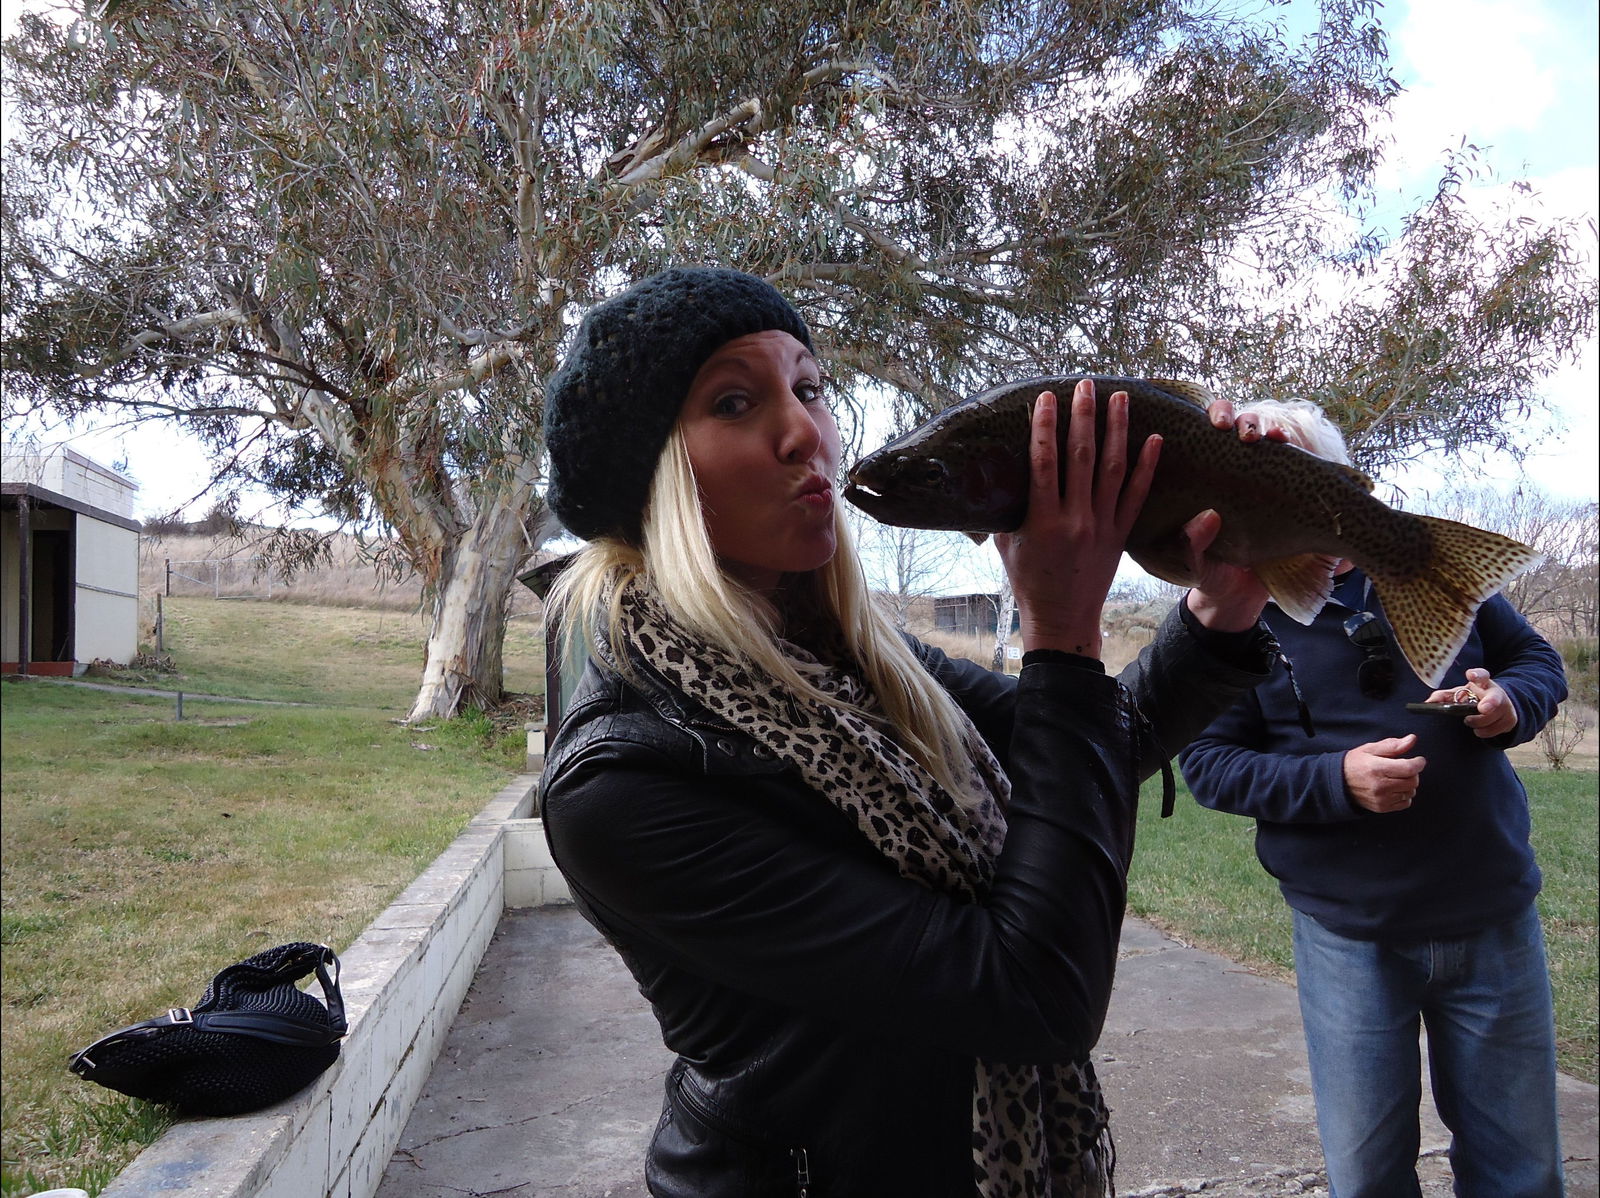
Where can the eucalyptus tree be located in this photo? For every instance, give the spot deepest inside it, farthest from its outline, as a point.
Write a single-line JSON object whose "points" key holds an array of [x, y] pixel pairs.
{"points": [[1560, 594], [343, 242]]}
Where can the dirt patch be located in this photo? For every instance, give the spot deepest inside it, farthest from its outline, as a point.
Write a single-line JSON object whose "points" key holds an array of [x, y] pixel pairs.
{"points": [[1584, 742]]}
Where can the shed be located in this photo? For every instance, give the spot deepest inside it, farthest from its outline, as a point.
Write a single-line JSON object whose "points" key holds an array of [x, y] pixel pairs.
{"points": [[69, 563], [969, 615]]}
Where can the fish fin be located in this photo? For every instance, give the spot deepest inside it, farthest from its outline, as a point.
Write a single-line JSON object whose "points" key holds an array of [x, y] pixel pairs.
{"points": [[1196, 393], [1299, 585], [977, 538], [1361, 480], [1431, 612]]}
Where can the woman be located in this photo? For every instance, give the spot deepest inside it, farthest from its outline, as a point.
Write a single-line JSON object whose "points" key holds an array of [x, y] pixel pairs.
{"points": [[873, 894]]}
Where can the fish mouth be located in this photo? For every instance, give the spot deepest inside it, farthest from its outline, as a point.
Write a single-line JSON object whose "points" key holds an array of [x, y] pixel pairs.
{"points": [[863, 497]]}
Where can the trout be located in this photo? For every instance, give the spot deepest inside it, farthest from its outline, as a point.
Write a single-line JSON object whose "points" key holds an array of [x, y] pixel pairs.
{"points": [[1287, 515]]}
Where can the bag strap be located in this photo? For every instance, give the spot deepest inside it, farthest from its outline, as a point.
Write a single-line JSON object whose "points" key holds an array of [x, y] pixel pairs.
{"points": [[286, 972], [330, 991]]}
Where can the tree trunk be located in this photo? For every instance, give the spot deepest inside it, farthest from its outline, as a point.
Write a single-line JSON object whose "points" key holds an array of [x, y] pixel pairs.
{"points": [[465, 644], [1006, 606]]}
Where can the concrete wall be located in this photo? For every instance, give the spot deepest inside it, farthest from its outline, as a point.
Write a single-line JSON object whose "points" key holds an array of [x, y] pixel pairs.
{"points": [[403, 981], [67, 472], [532, 879]]}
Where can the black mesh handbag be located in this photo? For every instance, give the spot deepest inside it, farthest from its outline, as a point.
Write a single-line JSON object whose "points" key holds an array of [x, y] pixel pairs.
{"points": [[253, 1039]]}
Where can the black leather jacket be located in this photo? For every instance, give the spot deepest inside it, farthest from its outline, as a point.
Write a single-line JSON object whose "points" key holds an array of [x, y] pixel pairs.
{"points": [[826, 1011]]}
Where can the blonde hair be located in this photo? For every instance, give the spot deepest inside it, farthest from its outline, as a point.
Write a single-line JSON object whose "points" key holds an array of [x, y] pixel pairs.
{"points": [[1307, 424], [678, 562]]}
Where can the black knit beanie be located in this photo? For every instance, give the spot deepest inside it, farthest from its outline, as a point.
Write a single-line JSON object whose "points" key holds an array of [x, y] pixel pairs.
{"points": [[610, 407]]}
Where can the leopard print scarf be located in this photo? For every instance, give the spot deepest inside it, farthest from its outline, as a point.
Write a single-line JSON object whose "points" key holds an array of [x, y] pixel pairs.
{"points": [[1037, 1132]]}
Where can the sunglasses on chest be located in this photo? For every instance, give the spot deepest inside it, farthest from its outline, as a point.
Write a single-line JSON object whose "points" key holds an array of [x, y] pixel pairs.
{"points": [[1375, 674]]}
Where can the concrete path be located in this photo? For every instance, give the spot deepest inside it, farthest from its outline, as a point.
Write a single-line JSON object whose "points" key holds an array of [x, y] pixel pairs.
{"points": [[158, 693], [550, 1080]]}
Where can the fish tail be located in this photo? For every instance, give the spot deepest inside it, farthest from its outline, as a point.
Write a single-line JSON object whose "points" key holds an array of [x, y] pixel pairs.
{"points": [[1432, 611]]}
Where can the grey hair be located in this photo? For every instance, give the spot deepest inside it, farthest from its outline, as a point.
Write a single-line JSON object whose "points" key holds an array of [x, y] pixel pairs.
{"points": [[1307, 424]]}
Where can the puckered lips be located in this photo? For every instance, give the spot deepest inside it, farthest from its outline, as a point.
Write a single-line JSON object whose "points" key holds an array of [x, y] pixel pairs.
{"points": [[816, 491]]}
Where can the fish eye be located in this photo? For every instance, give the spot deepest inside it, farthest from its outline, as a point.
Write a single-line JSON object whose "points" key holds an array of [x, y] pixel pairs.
{"points": [[933, 472]]}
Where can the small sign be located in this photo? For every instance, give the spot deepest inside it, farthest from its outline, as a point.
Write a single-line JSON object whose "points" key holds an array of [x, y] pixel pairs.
{"points": [[1013, 653]]}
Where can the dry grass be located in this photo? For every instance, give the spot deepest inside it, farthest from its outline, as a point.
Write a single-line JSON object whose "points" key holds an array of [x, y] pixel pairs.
{"points": [[1581, 750], [1128, 629], [215, 566]]}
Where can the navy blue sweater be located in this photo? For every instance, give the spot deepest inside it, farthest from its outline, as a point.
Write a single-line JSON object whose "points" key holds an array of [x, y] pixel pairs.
{"points": [[1458, 859]]}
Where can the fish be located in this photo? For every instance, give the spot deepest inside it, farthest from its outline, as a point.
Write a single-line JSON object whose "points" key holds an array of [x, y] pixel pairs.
{"points": [[1287, 515]]}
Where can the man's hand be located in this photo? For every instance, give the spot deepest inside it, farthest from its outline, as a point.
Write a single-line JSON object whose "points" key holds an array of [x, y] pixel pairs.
{"points": [[1380, 777], [1225, 598], [1497, 714], [1250, 425]]}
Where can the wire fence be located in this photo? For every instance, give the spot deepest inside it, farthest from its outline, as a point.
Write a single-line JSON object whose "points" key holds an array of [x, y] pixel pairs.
{"points": [[218, 578]]}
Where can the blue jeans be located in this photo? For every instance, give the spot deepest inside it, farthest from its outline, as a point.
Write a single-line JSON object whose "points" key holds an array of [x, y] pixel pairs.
{"points": [[1485, 1001]]}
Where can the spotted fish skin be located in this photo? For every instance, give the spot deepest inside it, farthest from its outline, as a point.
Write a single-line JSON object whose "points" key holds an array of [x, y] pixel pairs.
{"points": [[1286, 514]]}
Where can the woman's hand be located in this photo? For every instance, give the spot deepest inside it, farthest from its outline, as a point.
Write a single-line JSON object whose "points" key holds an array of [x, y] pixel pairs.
{"points": [[1063, 559]]}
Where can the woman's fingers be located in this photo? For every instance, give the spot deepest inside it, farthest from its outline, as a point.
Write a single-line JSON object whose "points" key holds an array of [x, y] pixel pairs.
{"points": [[1045, 485], [1079, 488], [1138, 488], [1113, 456], [1098, 483]]}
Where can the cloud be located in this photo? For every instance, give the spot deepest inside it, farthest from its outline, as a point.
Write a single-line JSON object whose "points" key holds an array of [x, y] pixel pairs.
{"points": [[1517, 76]]}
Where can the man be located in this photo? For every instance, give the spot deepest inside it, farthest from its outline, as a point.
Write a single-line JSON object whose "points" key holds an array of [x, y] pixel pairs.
{"points": [[1400, 840]]}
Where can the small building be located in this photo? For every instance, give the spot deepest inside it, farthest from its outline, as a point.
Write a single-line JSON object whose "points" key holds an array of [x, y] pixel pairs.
{"points": [[69, 563], [968, 615]]}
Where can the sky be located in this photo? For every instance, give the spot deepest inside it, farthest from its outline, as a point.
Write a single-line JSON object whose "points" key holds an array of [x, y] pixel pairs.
{"points": [[1517, 78]]}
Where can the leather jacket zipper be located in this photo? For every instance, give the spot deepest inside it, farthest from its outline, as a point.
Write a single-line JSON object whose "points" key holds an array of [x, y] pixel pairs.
{"points": [[802, 1173]]}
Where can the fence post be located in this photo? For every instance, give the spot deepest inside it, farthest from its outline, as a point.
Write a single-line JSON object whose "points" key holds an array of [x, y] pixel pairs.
{"points": [[169, 575], [161, 627]]}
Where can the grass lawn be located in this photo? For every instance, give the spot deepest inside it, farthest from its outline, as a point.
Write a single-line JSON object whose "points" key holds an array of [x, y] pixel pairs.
{"points": [[1196, 875], [252, 648], [141, 854]]}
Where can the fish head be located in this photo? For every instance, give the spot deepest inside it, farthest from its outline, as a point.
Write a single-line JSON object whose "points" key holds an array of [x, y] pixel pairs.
{"points": [[971, 488]]}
